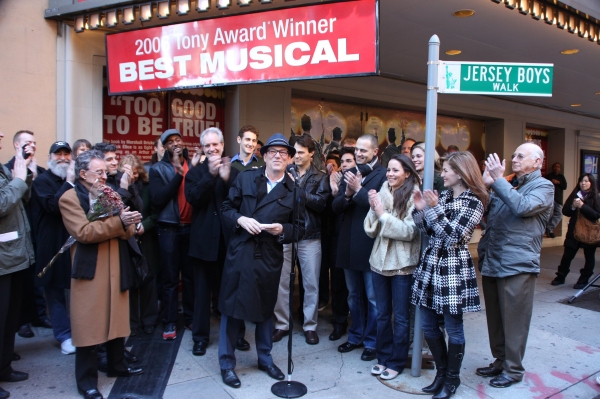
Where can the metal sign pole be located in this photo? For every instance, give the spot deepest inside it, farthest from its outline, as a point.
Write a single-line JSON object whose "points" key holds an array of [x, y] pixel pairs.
{"points": [[430, 138]]}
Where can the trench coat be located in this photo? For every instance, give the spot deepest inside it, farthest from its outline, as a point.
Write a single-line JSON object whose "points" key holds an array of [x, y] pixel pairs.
{"points": [[99, 310], [253, 263]]}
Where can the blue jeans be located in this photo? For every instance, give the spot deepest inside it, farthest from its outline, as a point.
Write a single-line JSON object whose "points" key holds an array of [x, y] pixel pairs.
{"points": [[393, 297], [453, 324], [57, 305], [174, 243], [363, 308]]}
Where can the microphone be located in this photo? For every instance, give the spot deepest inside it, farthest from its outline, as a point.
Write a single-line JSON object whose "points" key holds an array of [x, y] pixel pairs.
{"points": [[291, 168]]}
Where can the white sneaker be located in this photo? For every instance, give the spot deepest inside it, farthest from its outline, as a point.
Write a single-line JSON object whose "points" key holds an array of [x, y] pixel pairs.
{"points": [[67, 347], [598, 380]]}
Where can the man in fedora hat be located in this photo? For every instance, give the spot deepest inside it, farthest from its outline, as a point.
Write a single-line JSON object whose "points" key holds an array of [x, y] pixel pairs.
{"points": [[258, 214]]}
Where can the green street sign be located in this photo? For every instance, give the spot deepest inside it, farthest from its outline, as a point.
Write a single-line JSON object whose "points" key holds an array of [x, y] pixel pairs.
{"points": [[495, 78]]}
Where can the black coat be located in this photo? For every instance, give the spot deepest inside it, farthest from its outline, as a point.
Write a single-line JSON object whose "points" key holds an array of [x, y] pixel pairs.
{"points": [[206, 194], [315, 191], [354, 246], [164, 188], [587, 210], [48, 226], [253, 263]]}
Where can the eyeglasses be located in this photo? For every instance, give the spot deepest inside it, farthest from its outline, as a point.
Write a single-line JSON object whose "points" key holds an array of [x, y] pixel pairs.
{"points": [[282, 153], [98, 172]]}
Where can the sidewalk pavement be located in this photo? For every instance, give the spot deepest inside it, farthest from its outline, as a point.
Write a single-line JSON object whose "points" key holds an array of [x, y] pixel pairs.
{"points": [[562, 359]]}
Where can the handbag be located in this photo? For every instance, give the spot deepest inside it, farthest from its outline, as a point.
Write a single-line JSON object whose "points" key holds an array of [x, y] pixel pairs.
{"points": [[586, 231]]}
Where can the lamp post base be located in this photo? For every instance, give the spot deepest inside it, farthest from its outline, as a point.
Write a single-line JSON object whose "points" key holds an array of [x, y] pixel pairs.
{"points": [[289, 389]]}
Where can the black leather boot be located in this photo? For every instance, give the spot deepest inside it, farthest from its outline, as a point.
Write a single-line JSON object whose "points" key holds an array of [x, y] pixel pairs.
{"points": [[440, 356], [452, 380], [582, 281]]}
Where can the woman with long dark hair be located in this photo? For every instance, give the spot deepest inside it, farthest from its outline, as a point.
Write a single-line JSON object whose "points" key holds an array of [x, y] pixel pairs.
{"points": [[583, 202], [393, 260], [445, 282]]}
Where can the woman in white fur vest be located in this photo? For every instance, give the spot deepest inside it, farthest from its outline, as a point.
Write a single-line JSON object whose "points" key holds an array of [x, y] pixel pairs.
{"points": [[394, 257]]}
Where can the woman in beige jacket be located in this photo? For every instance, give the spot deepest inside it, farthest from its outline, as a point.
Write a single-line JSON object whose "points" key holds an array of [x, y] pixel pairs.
{"points": [[99, 301], [393, 259]]}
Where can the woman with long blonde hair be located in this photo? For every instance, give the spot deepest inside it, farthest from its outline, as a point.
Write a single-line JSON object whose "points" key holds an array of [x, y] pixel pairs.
{"points": [[445, 282]]}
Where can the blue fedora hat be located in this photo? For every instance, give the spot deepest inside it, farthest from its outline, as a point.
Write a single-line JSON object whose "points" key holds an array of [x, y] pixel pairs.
{"points": [[278, 140]]}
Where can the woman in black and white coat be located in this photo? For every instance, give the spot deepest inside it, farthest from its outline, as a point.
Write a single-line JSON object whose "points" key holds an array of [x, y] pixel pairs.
{"points": [[445, 282]]}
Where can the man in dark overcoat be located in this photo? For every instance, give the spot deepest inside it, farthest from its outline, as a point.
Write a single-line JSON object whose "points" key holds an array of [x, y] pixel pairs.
{"points": [[206, 187], [52, 235], [354, 246], [258, 215]]}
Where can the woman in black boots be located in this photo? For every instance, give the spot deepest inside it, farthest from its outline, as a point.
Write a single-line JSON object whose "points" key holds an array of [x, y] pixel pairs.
{"points": [[583, 202], [445, 282]]}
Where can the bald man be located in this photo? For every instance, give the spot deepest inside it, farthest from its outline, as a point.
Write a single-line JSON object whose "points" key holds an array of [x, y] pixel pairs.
{"points": [[509, 257]]}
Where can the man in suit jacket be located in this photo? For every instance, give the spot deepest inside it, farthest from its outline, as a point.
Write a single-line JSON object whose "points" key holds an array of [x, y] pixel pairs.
{"points": [[258, 213], [354, 247], [206, 187]]}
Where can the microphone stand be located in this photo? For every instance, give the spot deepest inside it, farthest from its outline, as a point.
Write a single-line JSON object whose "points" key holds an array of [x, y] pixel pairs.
{"points": [[289, 388]]}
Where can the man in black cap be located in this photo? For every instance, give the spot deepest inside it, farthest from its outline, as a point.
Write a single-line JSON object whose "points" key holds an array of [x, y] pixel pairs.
{"points": [[258, 215], [167, 188], [48, 226]]}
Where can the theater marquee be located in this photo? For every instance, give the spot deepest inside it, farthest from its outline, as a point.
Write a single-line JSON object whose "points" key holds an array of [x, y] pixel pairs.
{"points": [[322, 41]]}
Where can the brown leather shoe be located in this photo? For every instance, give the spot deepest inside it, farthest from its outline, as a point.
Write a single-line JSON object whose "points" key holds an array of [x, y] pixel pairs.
{"points": [[279, 334], [311, 337]]}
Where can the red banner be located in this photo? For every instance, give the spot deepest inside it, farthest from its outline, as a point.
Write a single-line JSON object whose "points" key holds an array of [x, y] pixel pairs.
{"points": [[133, 122], [327, 40], [191, 114]]}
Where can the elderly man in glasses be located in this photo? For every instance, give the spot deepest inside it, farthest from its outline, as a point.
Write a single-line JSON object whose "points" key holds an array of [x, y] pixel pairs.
{"points": [[259, 216]]}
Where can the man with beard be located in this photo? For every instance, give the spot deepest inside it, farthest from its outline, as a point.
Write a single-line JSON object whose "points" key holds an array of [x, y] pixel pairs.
{"points": [[258, 215], [167, 195], [46, 191]]}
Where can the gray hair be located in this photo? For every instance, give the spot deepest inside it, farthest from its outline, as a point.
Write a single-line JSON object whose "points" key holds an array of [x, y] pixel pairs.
{"points": [[83, 161], [213, 130]]}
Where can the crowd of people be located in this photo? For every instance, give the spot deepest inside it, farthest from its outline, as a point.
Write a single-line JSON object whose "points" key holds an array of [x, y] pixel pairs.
{"points": [[222, 231]]}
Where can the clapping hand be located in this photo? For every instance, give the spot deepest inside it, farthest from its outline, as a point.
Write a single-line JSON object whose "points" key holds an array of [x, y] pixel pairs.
{"points": [[376, 204], [129, 218], [352, 182], [418, 200], [494, 167], [431, 197], [127, 177], [20, 167]]}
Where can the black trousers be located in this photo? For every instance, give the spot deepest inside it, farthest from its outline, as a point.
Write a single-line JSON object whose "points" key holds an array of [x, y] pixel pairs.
{"points": [[86, 363], [567, 258], [10, 305], [33, 303], [143, 306], [339, 290], [205, 275], [326, 265]]}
